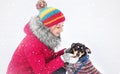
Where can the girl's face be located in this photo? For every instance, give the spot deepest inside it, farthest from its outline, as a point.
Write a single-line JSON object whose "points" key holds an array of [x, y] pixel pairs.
{"points": [[57, 29]]}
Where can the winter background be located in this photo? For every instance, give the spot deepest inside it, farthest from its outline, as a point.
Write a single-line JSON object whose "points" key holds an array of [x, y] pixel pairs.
{"points": [[95, 23]]}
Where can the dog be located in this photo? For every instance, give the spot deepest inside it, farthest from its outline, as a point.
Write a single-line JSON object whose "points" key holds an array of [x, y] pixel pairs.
{"points": [[79, 62], [80, 48]]}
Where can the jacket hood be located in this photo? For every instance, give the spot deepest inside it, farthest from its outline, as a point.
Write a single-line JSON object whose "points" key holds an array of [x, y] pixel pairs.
{"points": [[42, 33]]}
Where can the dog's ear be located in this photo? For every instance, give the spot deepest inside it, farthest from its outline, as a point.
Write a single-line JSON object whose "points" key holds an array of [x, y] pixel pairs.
{"points": [[88, 51], [72, 45]]}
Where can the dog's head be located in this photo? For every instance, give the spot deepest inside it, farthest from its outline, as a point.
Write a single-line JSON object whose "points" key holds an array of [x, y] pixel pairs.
{"points": [[80, 48]]}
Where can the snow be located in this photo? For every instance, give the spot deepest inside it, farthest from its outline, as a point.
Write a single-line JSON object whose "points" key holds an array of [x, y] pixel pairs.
{"points": [[92, 22]]}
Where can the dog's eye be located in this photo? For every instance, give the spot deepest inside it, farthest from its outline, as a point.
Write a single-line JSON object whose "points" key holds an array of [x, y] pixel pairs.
{"points": [[81, 47], [78, 46]]}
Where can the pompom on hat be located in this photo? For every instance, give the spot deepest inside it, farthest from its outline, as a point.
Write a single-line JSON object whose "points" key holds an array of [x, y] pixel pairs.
{"points": [[49, 16]]}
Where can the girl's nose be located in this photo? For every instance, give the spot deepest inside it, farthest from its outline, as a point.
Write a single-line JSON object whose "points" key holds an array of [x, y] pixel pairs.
{"points": [[61, 29]]}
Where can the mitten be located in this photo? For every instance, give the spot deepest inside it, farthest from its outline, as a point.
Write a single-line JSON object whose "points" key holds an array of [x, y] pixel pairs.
{"points": [[65, 57], [67, 50]]}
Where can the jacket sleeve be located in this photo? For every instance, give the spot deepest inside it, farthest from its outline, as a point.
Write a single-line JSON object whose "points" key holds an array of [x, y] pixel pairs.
{"points": [[59, 53], [37, 60]]}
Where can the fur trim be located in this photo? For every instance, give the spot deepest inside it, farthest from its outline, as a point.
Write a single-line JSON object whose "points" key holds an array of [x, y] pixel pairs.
{"points": [[43, 33]]}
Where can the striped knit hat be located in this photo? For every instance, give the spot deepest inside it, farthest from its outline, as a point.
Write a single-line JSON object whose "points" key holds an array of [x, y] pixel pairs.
{"points": [[50, 16]]}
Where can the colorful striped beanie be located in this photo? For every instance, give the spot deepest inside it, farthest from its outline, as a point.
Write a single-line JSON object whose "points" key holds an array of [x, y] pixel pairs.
{"points": [[51, 16]]}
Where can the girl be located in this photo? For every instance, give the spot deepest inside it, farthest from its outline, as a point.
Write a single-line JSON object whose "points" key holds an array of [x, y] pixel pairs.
{"points": [[35, 54]]}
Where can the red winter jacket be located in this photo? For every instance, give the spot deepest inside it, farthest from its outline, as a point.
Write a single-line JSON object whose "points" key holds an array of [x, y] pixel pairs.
{"points": [[34, 57]]}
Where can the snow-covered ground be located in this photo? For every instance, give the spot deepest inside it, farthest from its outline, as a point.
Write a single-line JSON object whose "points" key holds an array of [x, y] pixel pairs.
{"points": [[96, 23]]}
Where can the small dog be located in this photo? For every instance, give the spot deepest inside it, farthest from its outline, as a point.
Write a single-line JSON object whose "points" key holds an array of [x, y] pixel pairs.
{"points": [[80, 49], [79, 62]]}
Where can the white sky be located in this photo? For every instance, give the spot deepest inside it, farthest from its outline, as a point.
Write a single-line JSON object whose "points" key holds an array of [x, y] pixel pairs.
{"points": [[95, 23]]}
